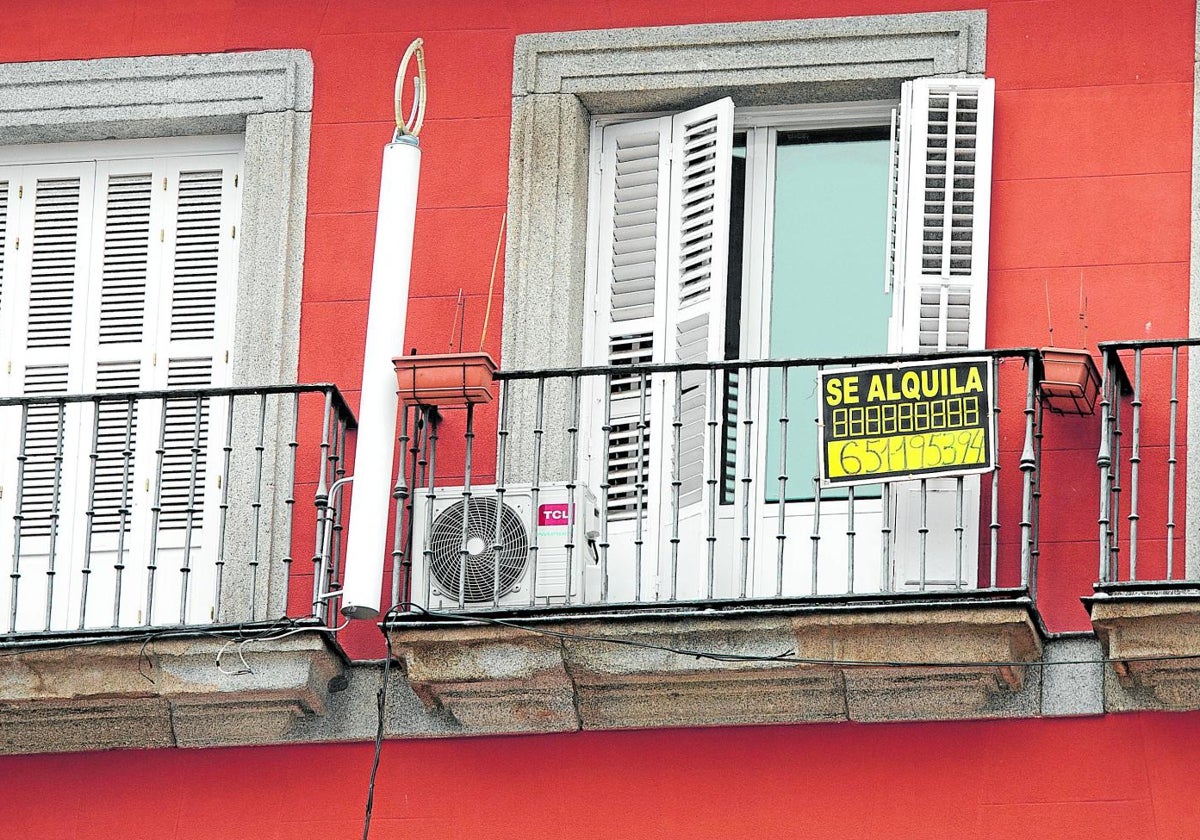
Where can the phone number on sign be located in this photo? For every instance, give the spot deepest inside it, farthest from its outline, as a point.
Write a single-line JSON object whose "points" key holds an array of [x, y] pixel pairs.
{"points": [[906, 453]]}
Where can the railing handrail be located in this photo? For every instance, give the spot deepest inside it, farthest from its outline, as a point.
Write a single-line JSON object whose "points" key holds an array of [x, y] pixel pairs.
{"points": [[742, 364], [1144, 343], [339, 401]]}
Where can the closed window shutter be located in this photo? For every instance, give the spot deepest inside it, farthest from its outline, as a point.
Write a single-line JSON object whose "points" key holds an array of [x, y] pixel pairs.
{"points": [[701, 174], [634, 202], [123, 280], [943, 198], [197, 327], [48, 298]]}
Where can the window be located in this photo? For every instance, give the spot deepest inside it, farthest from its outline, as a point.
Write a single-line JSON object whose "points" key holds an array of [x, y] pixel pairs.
{"points": [[723, 235], [143, 264], [564, 83], [118, 272]]}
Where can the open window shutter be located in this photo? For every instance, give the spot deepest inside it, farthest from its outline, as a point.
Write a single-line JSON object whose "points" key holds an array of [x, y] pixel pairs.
{"points": [[634, 203], [702, 151], [944, 186], [940, 249]]}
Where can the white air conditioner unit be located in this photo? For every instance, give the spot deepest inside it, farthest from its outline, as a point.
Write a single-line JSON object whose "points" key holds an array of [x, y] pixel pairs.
{"points": [[447, 560]]}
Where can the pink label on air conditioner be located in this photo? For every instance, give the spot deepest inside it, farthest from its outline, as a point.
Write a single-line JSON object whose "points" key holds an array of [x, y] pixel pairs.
{"points": [[555, 514]]}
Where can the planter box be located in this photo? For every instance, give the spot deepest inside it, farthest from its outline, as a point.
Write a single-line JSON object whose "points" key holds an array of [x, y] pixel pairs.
{"points": [[444, 379], [1070, 380]]}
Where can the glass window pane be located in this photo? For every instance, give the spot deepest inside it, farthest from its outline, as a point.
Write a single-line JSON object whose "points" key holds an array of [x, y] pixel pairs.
{"points": [[827, 295]]}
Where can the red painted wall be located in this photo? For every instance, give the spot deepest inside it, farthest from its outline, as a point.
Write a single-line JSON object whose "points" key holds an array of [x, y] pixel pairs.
{"points": [[1082, 779]]}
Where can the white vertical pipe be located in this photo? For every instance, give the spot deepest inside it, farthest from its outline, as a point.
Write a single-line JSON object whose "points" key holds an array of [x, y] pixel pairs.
{"points": [[386, 317]]}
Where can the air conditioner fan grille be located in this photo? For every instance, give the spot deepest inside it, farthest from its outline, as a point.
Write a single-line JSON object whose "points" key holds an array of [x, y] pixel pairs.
{"points": [[481, 571]]}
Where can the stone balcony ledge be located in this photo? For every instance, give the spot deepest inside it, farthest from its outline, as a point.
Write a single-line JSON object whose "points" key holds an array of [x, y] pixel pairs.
{"points": [[633, 669], [1150, 631], [163, 689]]}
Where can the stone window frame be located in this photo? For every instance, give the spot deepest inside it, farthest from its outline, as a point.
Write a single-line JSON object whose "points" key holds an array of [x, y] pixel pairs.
{"points": [[561, 80], [265, 96]]}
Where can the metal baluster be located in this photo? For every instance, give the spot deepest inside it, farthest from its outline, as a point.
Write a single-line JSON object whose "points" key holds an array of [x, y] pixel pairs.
{"points": [[156, 511], [850, 539], [640, 486], [1104, 464], [994, 525], [400, 493], [464, 550], [746, 374], [923, 532], [1172, 460], [290, 501], [958, 532], [60, 436], [227, 455], [575, 522], [123, 523], [186, 570], [815, 536], [260, 449], [1036, 550], [1135, 462], [536, 489], [432, 420], [885, 536], [89, 514], [1114, 528], [501, 460], [781, 534], [333, 571], [1027, 465], [715, 458], [18, 517], [676, 484], [605, 485], [321, 502]]}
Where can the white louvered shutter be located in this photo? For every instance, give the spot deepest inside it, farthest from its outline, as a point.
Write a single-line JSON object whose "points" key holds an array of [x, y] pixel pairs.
{"points": [[701, 171], [941, 207], [194, 351], [944, 186], [46, 275], [118, 275], [632, 270]]}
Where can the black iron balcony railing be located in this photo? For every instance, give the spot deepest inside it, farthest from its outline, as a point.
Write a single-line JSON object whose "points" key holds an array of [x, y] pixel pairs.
{"points": [[1145, 432], [189, 506], [686, 483]]}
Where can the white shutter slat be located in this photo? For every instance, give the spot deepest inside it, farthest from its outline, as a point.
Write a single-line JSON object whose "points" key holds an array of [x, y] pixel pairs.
{"points": [[43, 433], [196, 265], [125, 259], [182, 485], [54, 264]]}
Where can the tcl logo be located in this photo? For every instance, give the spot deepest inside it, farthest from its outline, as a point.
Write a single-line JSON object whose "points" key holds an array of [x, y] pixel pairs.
{"points": [[555, 514]]}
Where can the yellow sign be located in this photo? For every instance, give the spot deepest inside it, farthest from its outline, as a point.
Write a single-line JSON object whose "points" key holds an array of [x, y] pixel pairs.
{"points": [[901, 421]]}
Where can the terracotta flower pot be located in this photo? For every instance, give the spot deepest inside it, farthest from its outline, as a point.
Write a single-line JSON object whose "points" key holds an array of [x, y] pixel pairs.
{"points": [[1070, 380], [444, 379]]}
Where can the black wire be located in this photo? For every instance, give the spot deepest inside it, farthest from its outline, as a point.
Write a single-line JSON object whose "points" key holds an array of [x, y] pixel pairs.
{"points": [[381, 703]]}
